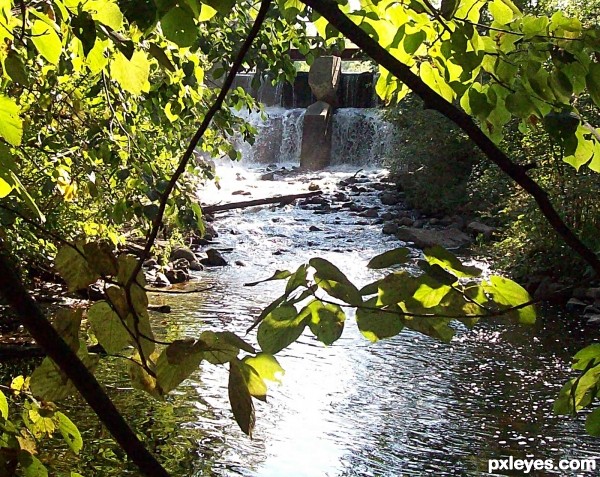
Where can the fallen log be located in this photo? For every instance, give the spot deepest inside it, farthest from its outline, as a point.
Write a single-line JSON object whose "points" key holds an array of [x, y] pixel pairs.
{"points": [[280, 199]]}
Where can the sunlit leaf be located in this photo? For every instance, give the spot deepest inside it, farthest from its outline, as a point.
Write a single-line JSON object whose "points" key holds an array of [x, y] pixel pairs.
{"points": [[72, 265], [132, 75], [46, 40], [218, 347], [334, 282], [326, 320], [445, 259], [3, 406], [11, 125], [266, 365], [280, 328], [376, 325], [177, 362], [507, 292], [256, 385], [31, 465], [586, 357]]}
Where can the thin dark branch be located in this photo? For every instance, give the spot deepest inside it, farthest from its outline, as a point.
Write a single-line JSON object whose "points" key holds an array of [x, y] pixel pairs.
{"points": [[46, 336]]}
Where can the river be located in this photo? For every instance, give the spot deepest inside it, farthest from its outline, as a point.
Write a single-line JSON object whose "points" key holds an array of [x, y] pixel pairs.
{"points": [[409, 405]]}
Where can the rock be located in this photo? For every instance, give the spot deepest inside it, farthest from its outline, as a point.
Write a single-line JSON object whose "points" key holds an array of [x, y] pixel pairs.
{"points": [[418, 224], [593, 320], [196, 266], [591, 310], [213, 259], [241, 192], [434, 221], [389, 198], [544, 289], [406, 221], [181, 264], [387, 216], [423, 238], [239, 263], [356, 208], [575, 304], [95, 292], [370, 213], [161, 280], [177, 276], [390, 228], [314, 228], [182, 252], [340, 196], [269, 176], [324, 78], [160, 308], [477, 228], [151, 262], [313, 187]]}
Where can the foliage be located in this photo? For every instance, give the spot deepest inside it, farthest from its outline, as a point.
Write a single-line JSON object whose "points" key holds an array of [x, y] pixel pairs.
{"points": [[20, 435], [317, 294], [433, 160]]}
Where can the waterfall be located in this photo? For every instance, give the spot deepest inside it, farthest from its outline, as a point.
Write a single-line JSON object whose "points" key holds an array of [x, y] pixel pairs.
{"points": [[359, 137]]}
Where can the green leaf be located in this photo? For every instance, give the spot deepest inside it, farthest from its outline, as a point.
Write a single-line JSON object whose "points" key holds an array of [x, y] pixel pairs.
{"points": [[5, 188], [31, 465], [434, 327], [445, 259], [328, 277], [430, 292], [3, 406], [326, 320], [396, 288], [106, 12], [501, 12], [49, 382], [438, 273], [159, 54], [100, 258], [412, 42], [592, 423], [84, 28], [132, 75], [448, 8], [179, 27], [16, 69], [126, 265], [256, 385], [278, 275], [507, 292], [280, 328], [266, 366], [206, 13], [46, 40], [177, 362], [74, 268], [240, 399], [108, 327], [376, 325], [218, 347], [222, 6], [69, 431], [586, 357], [389, 258], [11, 125]]}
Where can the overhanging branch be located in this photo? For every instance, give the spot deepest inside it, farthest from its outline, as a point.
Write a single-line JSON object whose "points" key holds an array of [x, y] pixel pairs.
{"points": [[329, 10]]}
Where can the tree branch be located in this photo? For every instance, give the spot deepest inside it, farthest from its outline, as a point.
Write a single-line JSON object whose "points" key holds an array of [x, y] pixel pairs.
{"points": [[47, 337], [330, 10]]}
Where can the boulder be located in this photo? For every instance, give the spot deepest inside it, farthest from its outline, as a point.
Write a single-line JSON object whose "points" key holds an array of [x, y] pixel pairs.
{"points": [[423, 238], [213, 259], [575, 304], [477, 228], [269, 176], [389, 198], [181, 264], [182, 252], [177, 276], [390, 228], [196, 266], [160, 280], [593, 320], [324, 78], [150, 263]]}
